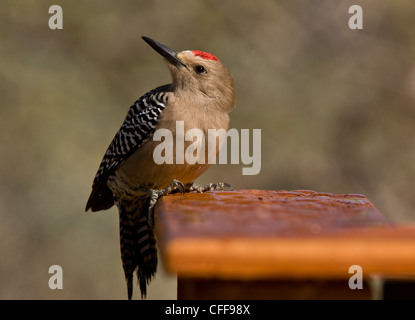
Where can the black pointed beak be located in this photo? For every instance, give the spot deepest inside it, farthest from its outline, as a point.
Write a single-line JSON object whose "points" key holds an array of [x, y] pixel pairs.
{"points": [[169, 54]]}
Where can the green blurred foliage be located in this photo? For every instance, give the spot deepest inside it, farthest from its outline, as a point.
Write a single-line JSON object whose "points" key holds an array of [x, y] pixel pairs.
{"points": [[336, 109]]}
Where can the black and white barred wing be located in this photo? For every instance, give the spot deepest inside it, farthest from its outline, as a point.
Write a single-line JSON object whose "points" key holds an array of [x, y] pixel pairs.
{"points": [[138, 127]]}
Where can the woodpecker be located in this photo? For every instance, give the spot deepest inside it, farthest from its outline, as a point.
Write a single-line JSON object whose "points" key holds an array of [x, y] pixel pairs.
{"points": [[202, 94]]}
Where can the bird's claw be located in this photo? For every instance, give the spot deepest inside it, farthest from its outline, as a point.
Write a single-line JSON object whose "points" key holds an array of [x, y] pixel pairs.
{"points": [[220, 186], [155, 195], [177, 185]]}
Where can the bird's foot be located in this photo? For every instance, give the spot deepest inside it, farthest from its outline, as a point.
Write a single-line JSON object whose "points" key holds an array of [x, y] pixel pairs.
{"points": [[155, 195], [220, 186]]}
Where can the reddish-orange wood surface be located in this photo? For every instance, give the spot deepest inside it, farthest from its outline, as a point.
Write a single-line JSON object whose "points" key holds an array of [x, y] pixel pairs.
{"points": [[254, 234]]}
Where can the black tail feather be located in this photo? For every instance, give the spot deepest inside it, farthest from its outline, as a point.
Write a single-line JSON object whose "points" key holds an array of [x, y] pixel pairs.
{"points": [[138, 245]]}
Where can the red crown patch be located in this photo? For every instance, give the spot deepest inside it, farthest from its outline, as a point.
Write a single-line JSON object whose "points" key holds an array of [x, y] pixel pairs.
{"points": [[204, 55]]}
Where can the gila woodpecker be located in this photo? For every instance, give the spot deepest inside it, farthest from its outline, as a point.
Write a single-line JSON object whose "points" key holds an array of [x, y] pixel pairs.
{"points": [[201, 95]]}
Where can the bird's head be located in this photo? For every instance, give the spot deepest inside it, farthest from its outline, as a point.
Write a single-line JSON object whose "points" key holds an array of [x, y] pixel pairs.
{"points": [[199, 74]]}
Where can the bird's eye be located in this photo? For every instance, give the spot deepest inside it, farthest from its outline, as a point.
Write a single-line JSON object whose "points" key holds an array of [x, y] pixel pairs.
{"points": [[200, 69]]}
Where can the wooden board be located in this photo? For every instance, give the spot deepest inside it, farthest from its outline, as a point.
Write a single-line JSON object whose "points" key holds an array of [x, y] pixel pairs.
{"points": [[257, 234]]}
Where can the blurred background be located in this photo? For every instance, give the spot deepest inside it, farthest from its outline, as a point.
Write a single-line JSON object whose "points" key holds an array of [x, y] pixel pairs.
{"points": [[336, 108]]}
